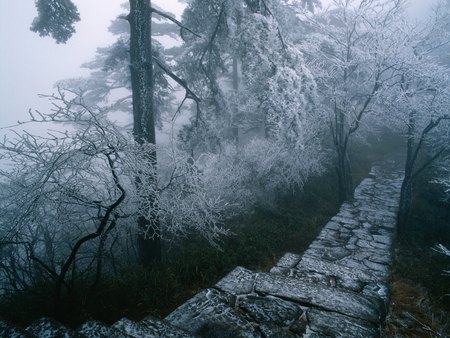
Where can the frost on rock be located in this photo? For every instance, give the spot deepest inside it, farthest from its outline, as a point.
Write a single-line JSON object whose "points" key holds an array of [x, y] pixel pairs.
{"points": [[317, 295], [237, 282], [211, 311], [94, 329], [49, 328], [9, 330], [149, 327], [330, 323], [270, 310], [338, 288]]}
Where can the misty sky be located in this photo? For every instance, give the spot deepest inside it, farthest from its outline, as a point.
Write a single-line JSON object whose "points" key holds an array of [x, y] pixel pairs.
{"points": [[30, 65]]}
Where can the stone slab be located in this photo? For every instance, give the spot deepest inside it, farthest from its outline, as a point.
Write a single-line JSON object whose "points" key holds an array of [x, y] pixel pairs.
{"points": [[49, 328], [331, 299], [275, 331], [337, 325], [239, 281], [333, 269], [7, 329], [149, 328], [268, 309], [209, 311], [95, 329], [289, 260]]}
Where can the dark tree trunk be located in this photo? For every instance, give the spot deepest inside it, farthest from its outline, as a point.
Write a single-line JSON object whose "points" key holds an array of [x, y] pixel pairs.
{"points": [[412, 153], [406, 190], [345, 186], [234, 123], [340, 139], [405, 204], [149, 243]]}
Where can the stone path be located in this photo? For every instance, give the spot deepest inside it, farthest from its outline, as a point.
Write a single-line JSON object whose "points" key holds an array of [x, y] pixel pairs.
{"points": [[338, 288]]}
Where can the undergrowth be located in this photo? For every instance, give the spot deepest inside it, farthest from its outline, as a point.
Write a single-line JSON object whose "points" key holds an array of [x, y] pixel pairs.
{"points": [[258, 241], [420, 304]]}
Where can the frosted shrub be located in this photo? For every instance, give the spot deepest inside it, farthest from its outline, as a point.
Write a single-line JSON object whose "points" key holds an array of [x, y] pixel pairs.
{"points": [[259, 172]]}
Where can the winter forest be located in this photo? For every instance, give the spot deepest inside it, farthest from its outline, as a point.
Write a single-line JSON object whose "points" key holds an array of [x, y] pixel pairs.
{"points": [[225, 136]]}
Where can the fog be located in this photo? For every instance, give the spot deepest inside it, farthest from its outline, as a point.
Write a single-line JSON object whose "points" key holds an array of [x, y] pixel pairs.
{"points": [[246, 141], [31, 65]]}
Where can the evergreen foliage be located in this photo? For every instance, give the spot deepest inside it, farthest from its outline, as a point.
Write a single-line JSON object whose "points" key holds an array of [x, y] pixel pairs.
{"points": [[55, 18]]}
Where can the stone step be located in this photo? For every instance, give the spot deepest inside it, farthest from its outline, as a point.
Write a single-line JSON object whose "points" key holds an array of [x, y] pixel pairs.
{"points": [[316, 295], [240, 281], [338, 288], [355, 272], [319, 278], [212, 312], [289, 260], [332, 323]]}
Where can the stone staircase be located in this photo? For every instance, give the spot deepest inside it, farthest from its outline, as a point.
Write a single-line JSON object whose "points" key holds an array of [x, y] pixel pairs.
{"points": [[338, 288]]}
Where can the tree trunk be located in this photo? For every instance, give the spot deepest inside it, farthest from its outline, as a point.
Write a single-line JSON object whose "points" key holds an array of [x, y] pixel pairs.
{"points": [[234, 124], [340, 137], [405, 204], [406, 190], [149, 247], [344, 176]]}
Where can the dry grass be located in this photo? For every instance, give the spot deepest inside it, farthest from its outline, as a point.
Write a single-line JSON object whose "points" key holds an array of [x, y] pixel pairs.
{"points": [[412, 314], [420, 301]]}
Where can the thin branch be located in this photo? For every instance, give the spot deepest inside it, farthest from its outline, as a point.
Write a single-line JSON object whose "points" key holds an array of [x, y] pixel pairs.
{"points": [[179, 108], [103, 223], [189, 93], [172, 177], [49, 270], [12, 243], [365, 105], [431, 125], [280, 36], [428, 162], [213, 36], [175, 21]]}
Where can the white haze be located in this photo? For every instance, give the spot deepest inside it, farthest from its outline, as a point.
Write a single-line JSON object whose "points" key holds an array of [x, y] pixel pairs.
{"points": [[30, 65]]}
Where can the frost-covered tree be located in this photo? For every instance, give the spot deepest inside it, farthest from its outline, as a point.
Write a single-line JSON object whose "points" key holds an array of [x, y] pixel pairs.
{"points": [[242, 50], [348, 48], [425, 103], [418, 97], [109, 81], [142, 61], [62, 186], [256, 134], [256, 93], [55, 18], [70, 202]]}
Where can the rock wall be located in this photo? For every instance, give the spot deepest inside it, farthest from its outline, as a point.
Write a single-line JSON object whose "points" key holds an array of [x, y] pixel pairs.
{"points": [[338, 288]]}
